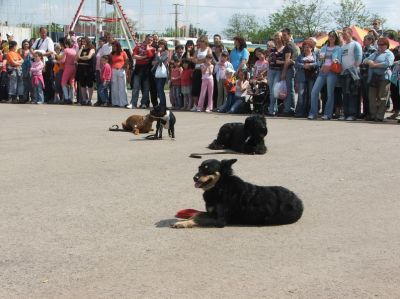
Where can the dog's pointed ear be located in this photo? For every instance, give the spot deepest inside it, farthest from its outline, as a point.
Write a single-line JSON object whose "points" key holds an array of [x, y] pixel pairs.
{"points": [[226, 165]]}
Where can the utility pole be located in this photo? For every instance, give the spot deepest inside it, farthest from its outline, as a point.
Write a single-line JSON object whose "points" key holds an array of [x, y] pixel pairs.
{"points": [[176, 19]]}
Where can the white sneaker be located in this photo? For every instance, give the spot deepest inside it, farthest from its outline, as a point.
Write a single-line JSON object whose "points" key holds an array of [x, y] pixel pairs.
{"points": [[208, 110], [129, 106]]}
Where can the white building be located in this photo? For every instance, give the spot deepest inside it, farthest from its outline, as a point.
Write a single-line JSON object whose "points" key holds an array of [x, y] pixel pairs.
{"points": [[19, 33]]}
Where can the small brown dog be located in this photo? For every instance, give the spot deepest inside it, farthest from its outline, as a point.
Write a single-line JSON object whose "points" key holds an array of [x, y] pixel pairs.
{"points": [[136, 124]]}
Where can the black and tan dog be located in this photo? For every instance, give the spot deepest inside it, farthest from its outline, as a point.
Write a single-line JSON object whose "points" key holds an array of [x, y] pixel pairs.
{"points": [[137, 124], [165, 119], [230, 200], [247, 138]]}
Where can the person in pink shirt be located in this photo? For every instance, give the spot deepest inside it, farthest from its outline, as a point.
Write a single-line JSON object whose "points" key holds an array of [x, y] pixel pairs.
{"points": [[37, 77], [68, 76], [207, 84], [105, 80]]}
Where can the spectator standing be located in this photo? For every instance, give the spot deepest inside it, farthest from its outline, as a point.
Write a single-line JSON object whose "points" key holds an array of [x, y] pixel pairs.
{"points": [[330, 53], [306, 72], [85, 70], [288, 72], [186, 85], [351, 59], [207, 84], [276, 60], [37, 77], [379, 74], [45, 45], [220, 75], [394, 85], [68, 57], [14, 63], [198, 59], [143, 54], [119, 63], [26, 74], [239, 55], [99, 54], [175, 90], [105, 80], [368, 49], [161, 61]]}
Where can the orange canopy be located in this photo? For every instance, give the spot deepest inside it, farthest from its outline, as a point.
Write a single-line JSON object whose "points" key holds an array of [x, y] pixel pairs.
{"points": [[358, 34]]}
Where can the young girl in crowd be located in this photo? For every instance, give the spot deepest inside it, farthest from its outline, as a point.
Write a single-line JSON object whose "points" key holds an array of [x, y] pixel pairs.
{"points": [[186, 85], [58, 70], [105, 80], [207, 84], [230, 87], [37, 77], [261, 65], [175, 91], [240, 92], [220, 70]]}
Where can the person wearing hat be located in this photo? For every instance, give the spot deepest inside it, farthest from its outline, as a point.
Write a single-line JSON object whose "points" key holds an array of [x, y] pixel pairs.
{"points": [[220, 75], [230, 87], [10, 36]]}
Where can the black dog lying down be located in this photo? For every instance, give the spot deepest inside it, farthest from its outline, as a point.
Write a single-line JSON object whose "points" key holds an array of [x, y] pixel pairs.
{"points": [[165, 119], [230, 200], [247, 138]]}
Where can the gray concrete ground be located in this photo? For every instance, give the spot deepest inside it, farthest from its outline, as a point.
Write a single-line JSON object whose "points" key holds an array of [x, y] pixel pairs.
{"points": [[85, 212]]}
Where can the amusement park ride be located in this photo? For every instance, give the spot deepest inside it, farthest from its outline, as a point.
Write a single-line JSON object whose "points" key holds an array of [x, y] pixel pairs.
{"points": [[126, 26]]}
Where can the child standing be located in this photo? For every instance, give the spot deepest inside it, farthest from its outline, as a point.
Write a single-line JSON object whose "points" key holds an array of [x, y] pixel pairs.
{"points": [[220, 75], [105, 80], [186, 85], [207, 84], [37, 77], [175, 91]]}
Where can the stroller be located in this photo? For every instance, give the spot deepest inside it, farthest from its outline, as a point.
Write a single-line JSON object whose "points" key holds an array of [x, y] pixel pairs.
{"points": [[259, 96]]}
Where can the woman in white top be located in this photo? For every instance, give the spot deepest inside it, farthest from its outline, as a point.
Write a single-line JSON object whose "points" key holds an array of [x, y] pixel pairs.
{"points": [[199, 57]]}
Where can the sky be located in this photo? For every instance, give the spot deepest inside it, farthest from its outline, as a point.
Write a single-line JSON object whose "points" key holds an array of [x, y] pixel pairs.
{"points": [[156, 15]]}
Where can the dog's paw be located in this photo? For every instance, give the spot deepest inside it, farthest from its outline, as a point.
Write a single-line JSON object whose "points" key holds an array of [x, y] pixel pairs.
{"points": [[184, 224]]}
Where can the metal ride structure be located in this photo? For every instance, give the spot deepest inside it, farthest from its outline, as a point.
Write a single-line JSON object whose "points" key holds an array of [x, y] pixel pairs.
{"points": [[126, 26]]}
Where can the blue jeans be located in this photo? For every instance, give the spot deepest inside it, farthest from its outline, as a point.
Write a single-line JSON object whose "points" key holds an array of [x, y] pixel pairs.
{"points": [[160, 83], [330, 80], [228, 103], [16, 84], [103, 92], [274, 76], [289, 101], [140, 80], [237, 103], [304, 94], [38, 93]]}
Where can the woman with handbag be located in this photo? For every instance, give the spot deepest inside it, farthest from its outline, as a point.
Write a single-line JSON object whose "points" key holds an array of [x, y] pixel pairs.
{"points": [[306, 66], [161, 70], [379, 74], [329, 59]]}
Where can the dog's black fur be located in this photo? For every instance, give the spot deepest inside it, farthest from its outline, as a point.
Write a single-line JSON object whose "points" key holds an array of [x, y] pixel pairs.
{"points": [[165, 119], [230, 200], [247, 138]]}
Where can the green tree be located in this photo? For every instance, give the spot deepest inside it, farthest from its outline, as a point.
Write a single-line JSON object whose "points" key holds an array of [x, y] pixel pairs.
{"points": [[244, 25], [352, 12], [304, 19]]}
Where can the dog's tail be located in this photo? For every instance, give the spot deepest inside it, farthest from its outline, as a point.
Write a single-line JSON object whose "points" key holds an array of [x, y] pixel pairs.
{"points": [[116, 128], [199, 155]]}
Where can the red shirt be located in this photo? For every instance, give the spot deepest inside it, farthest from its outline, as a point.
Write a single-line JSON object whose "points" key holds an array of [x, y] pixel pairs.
{"points": [[176, 73], [230, 85], [143, 50], [118, 61], [106, 73], [186, 77]]}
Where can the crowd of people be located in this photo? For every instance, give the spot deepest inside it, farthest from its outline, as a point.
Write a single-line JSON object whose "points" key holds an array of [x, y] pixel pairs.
{"points": [[343, 79]]}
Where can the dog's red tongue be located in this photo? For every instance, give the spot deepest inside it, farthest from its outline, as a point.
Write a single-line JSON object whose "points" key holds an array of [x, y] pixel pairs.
{"points": [[186, 213], [197, 184]]}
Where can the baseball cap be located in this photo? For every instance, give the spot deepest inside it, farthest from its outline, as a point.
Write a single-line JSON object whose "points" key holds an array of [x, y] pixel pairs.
{"points": [[229, 70], [9, 34]]}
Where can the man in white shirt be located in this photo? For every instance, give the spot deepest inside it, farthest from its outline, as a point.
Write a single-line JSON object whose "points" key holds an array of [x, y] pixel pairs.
{"points": [[45, 45]]}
